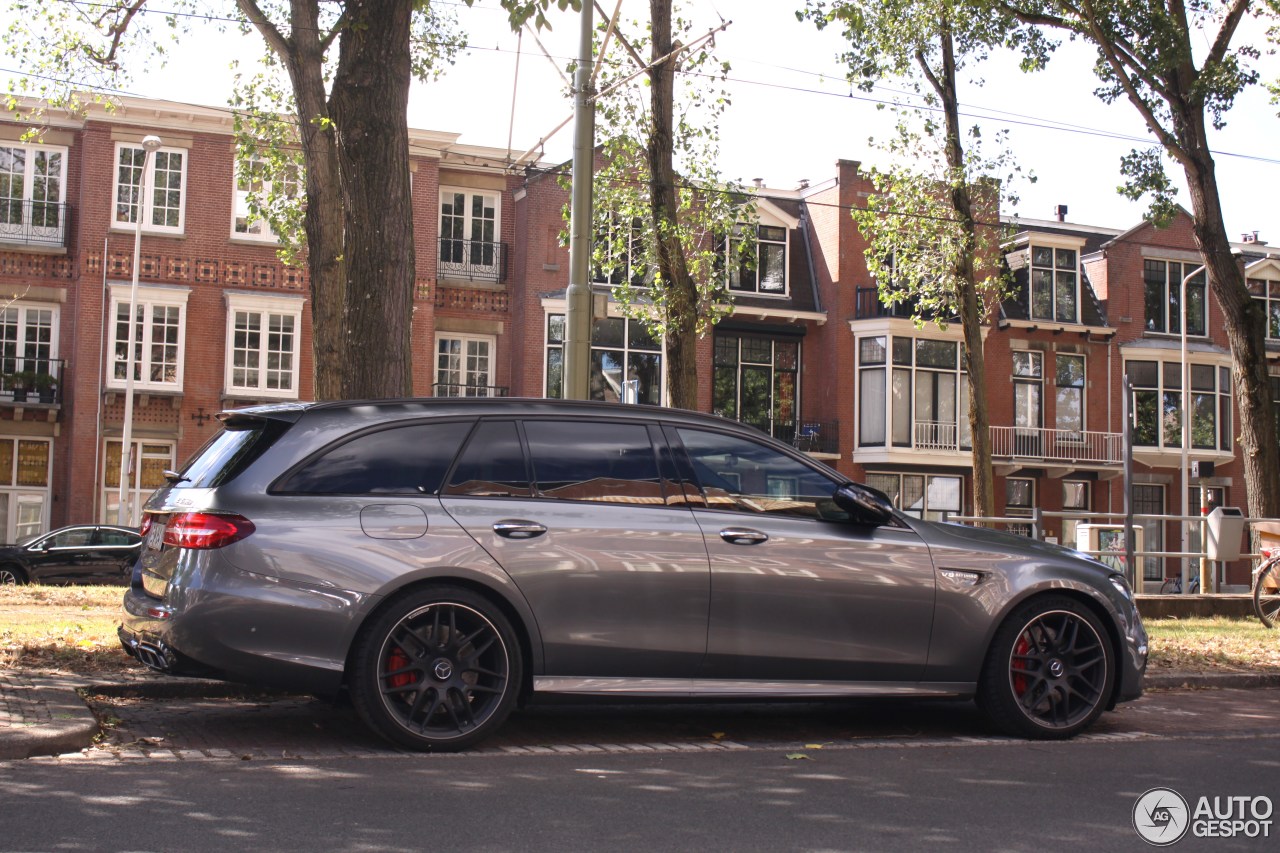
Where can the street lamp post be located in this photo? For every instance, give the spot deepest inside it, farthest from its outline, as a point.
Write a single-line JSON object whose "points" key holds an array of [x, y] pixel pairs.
{"points": [[1186, 432], [124, 516]]}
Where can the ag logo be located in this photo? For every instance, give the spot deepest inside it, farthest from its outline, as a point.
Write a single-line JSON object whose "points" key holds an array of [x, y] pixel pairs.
{"points": [[1161, 816]]}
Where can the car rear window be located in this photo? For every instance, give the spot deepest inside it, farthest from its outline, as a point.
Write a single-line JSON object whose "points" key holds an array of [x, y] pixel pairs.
{"points": [[228, 453], [404, 460]]}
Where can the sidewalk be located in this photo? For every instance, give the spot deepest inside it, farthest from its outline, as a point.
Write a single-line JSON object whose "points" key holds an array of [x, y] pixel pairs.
{"points": [[44, 714]]}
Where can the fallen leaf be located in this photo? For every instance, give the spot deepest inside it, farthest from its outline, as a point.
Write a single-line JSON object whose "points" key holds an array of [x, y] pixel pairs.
{"points": [[797, 756], [718, 735], [813, 746]]}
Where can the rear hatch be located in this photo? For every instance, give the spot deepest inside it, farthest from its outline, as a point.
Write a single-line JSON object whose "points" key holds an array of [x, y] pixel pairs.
{"points": [[181, 514]]}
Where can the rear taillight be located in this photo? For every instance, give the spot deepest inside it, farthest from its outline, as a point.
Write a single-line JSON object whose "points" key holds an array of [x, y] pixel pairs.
{"points": [[146, 526], [202, 530]]}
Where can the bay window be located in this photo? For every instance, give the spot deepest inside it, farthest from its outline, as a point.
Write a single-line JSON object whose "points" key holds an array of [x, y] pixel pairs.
{"points": [[1157, 393], [623, 355], [921, 400]]}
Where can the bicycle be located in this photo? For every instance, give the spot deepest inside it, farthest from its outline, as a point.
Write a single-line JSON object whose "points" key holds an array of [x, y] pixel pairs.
{"points": [[1266, 590], [1173, 585]]}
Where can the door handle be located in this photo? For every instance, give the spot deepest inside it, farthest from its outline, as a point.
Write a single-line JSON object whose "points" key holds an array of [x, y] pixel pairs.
{"points": [[514, 528], [743, 536]]}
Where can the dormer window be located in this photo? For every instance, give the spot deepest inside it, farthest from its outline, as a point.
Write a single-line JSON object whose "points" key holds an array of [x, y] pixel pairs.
{"points": [[768, 274], [1055, 284], [1163, 285]]}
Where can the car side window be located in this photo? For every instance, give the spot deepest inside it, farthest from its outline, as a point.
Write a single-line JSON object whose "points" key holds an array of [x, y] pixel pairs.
{"points": [[403, 460], [743, 476], [115, 538], [77, 538], [594, 461], [492, 464]]}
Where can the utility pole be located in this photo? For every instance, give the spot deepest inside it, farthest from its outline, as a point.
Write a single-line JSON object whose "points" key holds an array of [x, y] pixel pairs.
{"points": [[577, 325]]}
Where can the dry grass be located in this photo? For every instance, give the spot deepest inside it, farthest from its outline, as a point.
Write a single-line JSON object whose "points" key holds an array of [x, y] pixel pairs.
{"points": [[1213, 645], [61, 628], [73, 629]]}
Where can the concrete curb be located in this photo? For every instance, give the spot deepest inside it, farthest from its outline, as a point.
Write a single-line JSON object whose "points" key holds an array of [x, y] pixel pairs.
{"points": [[45, 715]]}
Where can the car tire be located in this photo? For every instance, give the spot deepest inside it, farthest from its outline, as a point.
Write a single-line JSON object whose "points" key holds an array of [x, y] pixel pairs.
{"points": [[1050, 670], [11, 574], [438, 670]]}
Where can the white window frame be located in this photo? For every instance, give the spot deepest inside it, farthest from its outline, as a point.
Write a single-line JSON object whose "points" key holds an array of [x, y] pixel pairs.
{"points": [[17, 494], [1058, 389], [263, 306], [932, 435], [557, 307], [135, 494], [1054, 270], [259, 230], [149, 298], [20, 361], [27, 199], [149, 181], [446, 269], [928, 509], [1221, 394], [1270, 299], [462, 370]]}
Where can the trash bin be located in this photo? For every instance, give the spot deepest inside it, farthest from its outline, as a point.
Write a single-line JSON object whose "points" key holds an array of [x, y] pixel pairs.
{"points": [[1226, 526]]}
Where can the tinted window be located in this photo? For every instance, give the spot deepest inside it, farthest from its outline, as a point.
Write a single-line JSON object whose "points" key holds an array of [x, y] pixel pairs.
{"points": [[586, 461], [75, 538], [741, 475], [228, 453], [116, 537], [492, 464], [406, 460]]}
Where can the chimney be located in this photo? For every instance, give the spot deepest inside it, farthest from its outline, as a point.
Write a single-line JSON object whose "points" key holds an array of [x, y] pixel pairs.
{"points": [[804, 183], [759, 182], [1060, 211], [1252, 238]]}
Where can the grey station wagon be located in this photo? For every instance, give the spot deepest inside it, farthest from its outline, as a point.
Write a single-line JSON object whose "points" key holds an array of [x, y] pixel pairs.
{"points": [[442, 560]]}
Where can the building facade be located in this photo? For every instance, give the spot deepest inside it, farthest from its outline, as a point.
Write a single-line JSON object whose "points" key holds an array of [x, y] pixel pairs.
{"points": [[809, 353]]}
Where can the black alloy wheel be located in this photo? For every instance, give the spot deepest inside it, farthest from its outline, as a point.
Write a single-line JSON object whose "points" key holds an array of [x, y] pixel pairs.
{"points": [[10, 575], [439, 670], [1050, 671]]}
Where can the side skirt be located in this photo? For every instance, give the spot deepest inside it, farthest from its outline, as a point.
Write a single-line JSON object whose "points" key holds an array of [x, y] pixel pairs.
{"points": [[745, 688]]}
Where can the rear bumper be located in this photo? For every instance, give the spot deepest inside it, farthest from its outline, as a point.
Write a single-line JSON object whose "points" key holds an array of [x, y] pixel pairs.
{"points": [[227, 624]]}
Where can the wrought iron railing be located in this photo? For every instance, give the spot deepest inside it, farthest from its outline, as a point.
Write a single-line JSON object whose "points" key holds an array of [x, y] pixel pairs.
{"points": [[1057, 445], [472, 260], [444, 389], [31, 380], [809, 436], [34, 223]]}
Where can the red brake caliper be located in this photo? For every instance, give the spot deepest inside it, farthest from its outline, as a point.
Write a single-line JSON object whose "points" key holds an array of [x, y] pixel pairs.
{"points": [[398, 660], [1019, 649]]}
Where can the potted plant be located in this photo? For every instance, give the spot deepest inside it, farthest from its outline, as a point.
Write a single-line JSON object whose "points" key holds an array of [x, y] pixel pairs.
{"points": [[19, 384], [47, 385]]}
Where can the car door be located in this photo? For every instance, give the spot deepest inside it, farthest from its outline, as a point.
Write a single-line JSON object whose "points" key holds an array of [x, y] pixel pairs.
{"points": [[798, 591], [64, 555], [116, 550], [616, 574]]}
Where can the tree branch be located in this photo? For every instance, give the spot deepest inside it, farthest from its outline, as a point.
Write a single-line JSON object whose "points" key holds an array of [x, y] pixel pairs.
{"points": [[1226, 32], [116, 31], [273, 37]]}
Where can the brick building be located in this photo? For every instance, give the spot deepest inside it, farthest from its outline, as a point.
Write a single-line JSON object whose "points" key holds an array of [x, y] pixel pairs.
{"points": [[809, 354]]}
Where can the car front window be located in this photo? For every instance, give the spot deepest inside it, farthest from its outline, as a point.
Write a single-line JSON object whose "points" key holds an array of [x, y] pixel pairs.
{"points": [[744, 476]]}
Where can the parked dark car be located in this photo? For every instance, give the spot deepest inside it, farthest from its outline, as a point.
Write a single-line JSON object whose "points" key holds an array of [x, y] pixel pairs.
{"points": [[81, 552], [442, 560]]}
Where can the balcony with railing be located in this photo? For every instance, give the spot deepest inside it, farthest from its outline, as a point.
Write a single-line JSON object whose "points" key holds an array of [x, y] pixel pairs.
{"points": [[31, 381], [472, 260], [937, 436], [1057, 446], [43, 224], [867, 306], [820, 438], [444, 389]]}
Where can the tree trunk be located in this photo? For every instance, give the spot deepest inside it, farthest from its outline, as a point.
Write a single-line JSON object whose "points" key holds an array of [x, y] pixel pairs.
{"points": [[682, 296], [369, 107], [971, 306], [1245, 324], [303, 58]]}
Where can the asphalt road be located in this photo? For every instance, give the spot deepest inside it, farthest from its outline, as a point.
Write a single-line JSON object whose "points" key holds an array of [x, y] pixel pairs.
{"points": [[290, 774], [978, 796]]}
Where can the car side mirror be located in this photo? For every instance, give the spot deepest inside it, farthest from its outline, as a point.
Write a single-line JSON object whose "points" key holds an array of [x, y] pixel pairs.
{"points": [[864, 504]]}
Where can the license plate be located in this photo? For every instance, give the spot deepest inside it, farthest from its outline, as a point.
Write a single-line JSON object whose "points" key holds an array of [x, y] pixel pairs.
{"points": [[155, 536]]}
